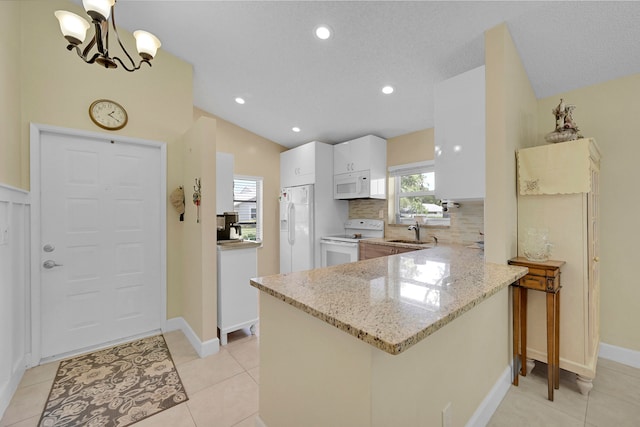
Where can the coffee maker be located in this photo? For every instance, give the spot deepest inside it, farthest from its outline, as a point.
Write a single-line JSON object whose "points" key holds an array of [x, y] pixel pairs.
{"points": [[228, 227]]}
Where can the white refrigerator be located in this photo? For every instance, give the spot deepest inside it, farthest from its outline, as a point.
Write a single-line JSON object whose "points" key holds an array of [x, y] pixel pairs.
{"points": [[296, 229]]}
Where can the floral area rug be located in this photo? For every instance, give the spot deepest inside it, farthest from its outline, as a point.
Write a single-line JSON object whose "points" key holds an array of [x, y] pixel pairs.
{"points": [[114, 387]]}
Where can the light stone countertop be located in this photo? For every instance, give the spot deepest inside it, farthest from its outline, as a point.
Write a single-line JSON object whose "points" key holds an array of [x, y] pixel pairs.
{"points": [[231, 245], [404, 244], [396, 301]]}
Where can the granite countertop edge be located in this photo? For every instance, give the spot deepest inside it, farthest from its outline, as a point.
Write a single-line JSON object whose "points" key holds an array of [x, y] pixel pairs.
{"points": [[375, 341]]}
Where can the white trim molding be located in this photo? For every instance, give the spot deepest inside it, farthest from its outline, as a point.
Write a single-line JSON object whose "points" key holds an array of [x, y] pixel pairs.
{"points": [[203, 348], [14, 289], [620, 354], [487, 408]]}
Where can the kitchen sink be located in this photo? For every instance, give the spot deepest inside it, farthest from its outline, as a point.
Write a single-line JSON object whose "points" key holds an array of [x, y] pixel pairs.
{"points": [[411, 242]]}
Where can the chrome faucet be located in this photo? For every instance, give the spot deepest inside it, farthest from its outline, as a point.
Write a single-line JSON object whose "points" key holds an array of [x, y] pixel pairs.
{"points": [[415, 227]]}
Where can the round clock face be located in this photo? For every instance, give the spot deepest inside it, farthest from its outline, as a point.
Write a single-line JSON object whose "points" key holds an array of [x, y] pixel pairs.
{"points": [[108, 114]]}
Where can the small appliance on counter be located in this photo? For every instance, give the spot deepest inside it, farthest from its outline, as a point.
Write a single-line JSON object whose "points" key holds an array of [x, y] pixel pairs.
{"points": [[228, 227]]}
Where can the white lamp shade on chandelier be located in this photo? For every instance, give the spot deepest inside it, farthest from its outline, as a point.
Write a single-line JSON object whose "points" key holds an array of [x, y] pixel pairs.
{"points": [[146, 43], [74, 29], [100, 7]]}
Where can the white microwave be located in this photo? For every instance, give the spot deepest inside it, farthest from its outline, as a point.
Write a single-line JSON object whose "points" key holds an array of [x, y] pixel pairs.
{"points": [[352, 185]]}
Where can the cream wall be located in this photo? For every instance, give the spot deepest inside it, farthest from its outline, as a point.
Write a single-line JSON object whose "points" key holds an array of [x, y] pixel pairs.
{"points": [[199, 287], [410, 148], [11, 148], [609, 113], [58, 87], [511, 124], [326, 377], [255, 156]]}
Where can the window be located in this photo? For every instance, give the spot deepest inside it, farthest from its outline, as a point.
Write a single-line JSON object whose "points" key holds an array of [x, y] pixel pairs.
{"points": [[247, 201], [414, 194]]}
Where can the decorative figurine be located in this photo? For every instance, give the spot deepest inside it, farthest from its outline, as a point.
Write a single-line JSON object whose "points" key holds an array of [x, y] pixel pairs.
{"points": [[566, 128], [197, 197], [177, 200]]}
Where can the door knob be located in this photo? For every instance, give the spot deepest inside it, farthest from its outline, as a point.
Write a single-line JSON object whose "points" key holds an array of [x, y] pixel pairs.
{"points": [[48, 247], [596, 258], [48, 264]]}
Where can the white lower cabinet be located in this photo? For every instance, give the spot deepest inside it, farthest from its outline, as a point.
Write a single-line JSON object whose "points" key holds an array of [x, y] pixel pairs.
{"points": [[237, 299]]}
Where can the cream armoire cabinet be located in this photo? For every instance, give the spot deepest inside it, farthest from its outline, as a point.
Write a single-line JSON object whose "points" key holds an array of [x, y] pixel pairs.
{"points": [[559, 192]]}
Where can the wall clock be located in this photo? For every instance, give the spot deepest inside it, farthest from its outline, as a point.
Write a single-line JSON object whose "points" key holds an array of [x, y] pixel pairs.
{"points": [[108, 114]]}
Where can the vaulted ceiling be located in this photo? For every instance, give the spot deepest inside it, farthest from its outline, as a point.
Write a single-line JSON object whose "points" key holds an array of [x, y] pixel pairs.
{"points": [[266, 52]]}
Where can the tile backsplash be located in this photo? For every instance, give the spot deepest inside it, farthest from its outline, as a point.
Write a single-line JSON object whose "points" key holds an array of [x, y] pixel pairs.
{"points": [[467, 222]]}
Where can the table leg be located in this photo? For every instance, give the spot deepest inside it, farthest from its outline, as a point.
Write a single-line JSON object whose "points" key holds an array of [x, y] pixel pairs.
{"points": [[516, 331], [523, 331], [557, 346], [551, 340]]}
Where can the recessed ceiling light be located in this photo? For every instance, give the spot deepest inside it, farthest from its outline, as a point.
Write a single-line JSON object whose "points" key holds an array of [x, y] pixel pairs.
{"points": [[387, 90], [323, 32], [457, 148], [295, 129], [240, 100]]}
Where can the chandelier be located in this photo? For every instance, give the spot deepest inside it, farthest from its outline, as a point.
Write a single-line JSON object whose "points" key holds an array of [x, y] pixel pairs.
{"points": [[74, 29]]}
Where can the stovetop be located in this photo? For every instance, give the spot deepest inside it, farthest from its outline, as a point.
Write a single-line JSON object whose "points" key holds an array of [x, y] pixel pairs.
{"points": [[346, 237], [358, 229]]}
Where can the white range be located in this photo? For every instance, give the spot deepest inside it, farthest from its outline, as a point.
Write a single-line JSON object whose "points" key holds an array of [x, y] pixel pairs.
{"points": [[343, 248]]}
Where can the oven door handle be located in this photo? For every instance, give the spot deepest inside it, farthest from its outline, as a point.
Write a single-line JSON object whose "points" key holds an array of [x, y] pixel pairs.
{"points": [[337, 243]]}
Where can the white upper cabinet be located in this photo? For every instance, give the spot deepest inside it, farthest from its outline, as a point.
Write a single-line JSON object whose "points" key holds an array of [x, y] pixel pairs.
{"points": [[298, 165], [365, 153], [224, 183], [360, 168], [459, 127]]}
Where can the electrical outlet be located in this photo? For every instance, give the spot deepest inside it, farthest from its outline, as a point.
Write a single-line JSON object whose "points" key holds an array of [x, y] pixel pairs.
{"points": [[446, 415]]}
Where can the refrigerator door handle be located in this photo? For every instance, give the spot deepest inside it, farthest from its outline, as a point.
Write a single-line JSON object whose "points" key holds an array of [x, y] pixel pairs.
{"points": [[292, 224]]}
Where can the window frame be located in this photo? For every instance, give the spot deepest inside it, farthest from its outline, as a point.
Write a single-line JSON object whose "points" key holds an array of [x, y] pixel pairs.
{"points": [[259, 202], [396, 173]]}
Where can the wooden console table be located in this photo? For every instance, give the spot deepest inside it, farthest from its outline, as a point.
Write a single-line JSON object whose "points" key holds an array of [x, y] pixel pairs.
{"points": [[545, 277]]}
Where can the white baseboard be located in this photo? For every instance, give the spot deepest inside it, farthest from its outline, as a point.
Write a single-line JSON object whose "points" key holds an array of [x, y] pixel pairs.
{"points": [[620, 355], [205, 348], [485, 411], [8, 389]]}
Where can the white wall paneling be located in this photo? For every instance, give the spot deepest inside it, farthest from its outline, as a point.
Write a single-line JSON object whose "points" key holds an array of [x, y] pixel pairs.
{"points": [[14, 289]]}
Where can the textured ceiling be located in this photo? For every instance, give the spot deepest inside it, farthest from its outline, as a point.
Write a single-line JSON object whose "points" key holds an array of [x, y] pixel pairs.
{"points": [[266, 53]]}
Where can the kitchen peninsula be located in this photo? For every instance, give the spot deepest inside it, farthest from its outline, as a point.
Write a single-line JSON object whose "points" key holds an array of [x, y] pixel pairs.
{"points": [[388, 341]]}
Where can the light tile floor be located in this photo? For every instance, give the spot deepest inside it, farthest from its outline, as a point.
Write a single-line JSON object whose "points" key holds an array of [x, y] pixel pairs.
{"points": [[222, 388], [613, 402], [223, 391]]}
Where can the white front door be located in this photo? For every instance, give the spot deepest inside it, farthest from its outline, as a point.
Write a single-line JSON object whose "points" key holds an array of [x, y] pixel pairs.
{"points": [[100, 265]]}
